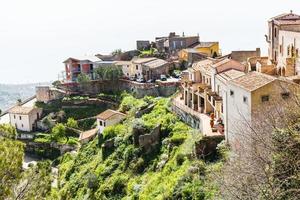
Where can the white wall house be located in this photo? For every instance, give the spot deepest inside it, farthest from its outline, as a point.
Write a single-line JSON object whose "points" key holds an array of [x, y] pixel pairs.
{"points": [[109, 118], [253, 97], [24, 118]]}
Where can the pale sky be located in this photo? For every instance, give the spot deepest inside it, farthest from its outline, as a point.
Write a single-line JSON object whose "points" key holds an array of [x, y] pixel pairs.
{"points": [[36, 36]]}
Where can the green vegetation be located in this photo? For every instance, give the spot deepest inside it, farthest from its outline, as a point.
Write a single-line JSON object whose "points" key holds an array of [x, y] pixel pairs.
{"points": [[10, 172], [16, 183], [83, 79], [112, 73], [127, 172]]}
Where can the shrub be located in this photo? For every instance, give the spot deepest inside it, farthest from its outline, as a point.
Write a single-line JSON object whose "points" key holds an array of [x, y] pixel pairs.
{"points": [[112, 131], [180, 158], [58, 132], [72, 123], [139, 166]]}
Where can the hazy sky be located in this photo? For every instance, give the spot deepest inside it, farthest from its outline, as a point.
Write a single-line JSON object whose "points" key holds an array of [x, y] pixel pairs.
{"points": [[37, 35]]}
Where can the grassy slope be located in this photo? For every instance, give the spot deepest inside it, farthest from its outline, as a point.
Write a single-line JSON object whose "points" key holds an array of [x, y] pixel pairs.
{"points": [[128, 173]]}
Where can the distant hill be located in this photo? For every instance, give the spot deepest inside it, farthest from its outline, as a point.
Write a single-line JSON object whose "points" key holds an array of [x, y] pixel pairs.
{"points": [[10, 93]]}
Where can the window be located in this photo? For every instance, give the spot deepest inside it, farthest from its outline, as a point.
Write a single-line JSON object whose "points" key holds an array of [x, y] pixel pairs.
{"points": [[14, 116], [264, 98], [285, 95], [288, 50], [127, 66], [280, 49], [275, 32], [127, 74], [245, 99], [20, 117], [22, 125], [104, 124], [231, 92], [100, 123], [136, 67]]}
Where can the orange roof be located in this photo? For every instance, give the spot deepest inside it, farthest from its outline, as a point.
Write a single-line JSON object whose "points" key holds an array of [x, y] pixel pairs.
{"points": [[88, 134], [108, 114], [228, 64]]}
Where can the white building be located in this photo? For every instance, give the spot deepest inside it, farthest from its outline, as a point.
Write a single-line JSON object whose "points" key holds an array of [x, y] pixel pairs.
{"points": [[109, 118], [251, 98], [24, 118]]}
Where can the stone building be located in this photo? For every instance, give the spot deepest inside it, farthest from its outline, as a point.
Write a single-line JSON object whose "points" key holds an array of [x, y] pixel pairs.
{"points": [[46, 94], [173, 43], [146, 68]]}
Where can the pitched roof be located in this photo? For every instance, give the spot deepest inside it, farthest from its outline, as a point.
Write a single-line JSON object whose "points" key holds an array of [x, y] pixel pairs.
{"points": [[227, 64], [205, 44], [230, 74], [253, 81], [87, 134], [84, 58], [287, 18], [22, 110], [204, 64], [156, 63], [142, 60], [108, 114]]}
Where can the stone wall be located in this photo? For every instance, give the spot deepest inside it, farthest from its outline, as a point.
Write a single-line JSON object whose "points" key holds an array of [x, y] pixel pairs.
{"points": [[207, 147], [147, 141], [47, 150], [138, 89], [146, 110], [242, 56]]}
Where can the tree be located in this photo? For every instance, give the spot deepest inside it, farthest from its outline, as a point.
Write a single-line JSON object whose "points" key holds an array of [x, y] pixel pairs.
{"points": [[8, 131], [35, 182], [117, 52], [113, 73], [11, 159], [266, 163], [56, 83], [58, 132], [72, 123], [83, 79], [100, 71]]}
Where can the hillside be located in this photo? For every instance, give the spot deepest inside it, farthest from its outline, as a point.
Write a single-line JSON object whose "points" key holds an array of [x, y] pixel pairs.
{"points": [[126, 171], [9, 94]]}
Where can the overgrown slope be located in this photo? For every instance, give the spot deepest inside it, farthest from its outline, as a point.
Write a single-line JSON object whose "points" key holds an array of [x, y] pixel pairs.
{"points": [[128, 172]]}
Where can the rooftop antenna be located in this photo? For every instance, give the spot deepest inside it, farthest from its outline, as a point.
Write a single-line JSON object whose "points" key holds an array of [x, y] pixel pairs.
{"points": [[182, 34]]}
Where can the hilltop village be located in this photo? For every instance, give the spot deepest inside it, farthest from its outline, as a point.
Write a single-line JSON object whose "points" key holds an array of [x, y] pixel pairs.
{"points": [[175, 90]]}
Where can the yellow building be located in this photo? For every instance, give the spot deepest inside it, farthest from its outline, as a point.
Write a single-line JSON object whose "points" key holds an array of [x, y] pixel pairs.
{"points": [[211, 49]]}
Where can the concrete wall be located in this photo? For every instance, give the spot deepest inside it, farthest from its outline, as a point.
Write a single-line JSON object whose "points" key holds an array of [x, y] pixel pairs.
{"points": [[191, 120], [238, 113]]}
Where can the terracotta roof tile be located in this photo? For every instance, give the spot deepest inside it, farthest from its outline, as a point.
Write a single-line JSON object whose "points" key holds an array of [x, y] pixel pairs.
{"points": [[108, 114], [253, 81]]}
